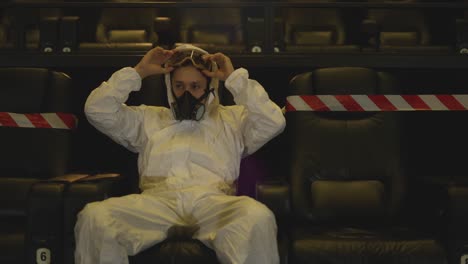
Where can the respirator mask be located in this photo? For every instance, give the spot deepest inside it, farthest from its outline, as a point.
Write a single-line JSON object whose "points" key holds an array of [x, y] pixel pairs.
{"points": [[187, 107]]}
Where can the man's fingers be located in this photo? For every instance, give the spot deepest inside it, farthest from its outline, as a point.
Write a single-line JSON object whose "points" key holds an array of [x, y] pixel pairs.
{"points": [[168, 52], [158, 55], [211, 56], [208, 73], [168, 69], [219, 57], [157, 50], [216, 74]]}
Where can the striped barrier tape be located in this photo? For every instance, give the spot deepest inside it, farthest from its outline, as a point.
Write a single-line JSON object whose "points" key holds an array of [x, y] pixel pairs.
{"points": [[364, 103], [39, 120]]}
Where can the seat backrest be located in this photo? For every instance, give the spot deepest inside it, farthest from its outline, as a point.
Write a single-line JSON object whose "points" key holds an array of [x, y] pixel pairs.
{"points": [[127, 25], [400, 26], [344, 166], [217, 26], [34, 152], [314, 26]]}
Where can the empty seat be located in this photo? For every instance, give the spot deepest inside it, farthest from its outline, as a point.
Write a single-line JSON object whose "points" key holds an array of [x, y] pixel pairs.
{"points": [[213, 29], [316, 30], [346, 180], [401, 29], [124, 29], [30, 207]]}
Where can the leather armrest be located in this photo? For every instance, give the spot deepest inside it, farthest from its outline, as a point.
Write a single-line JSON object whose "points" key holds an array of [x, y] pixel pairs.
{"points": [[254, 39], [162, 24], [370, 31], [255, 36], [163, 28], [45, 221], [3, 34], [457, 217], [462, 35], [275, 195], [462, 24], [458, 209], [48, 34], [68, 34], [369, 26]]}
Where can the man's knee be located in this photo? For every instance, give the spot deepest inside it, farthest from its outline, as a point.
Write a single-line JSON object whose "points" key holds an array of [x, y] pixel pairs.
{"points": [[260, 213], [92, 212]]}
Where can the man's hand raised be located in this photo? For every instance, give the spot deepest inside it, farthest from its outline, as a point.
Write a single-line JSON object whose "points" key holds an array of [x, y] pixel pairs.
{"points": [[152, 62], [225, 67]]}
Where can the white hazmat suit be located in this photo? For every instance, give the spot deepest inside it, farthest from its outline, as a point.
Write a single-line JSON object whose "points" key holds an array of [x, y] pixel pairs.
{"points": [[186, 171]]}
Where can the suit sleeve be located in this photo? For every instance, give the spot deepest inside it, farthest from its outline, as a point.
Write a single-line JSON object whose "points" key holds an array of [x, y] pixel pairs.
{"points": [[106, 110], [261, 119]]}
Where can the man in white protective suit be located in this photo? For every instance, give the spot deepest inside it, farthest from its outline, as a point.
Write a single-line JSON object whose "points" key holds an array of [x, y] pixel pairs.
{"points": [[189, 158]]}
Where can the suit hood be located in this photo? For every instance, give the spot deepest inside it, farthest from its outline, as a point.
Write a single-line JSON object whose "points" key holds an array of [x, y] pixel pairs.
{"points": [[213, 98]]}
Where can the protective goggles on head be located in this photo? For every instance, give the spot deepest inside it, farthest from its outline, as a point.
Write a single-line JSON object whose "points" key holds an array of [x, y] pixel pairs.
{"points": [[180, 57]]}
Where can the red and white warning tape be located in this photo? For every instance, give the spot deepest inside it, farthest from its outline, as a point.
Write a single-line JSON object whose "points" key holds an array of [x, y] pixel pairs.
{"points": [[42, 120], [364, 103]]}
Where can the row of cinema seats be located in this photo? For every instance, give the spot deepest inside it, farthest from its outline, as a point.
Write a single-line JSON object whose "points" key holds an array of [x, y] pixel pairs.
{"points": [[236, 30], [341, 201]]}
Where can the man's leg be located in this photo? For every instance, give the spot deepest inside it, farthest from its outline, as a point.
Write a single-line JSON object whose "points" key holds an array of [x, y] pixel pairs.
{"points": [[240, 229], [107, 232]]}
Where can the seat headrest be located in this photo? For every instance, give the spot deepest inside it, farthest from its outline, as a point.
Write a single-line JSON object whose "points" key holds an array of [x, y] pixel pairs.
{"points": [[352, 80], [34, 90], [23, 89], [343, 81]]}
